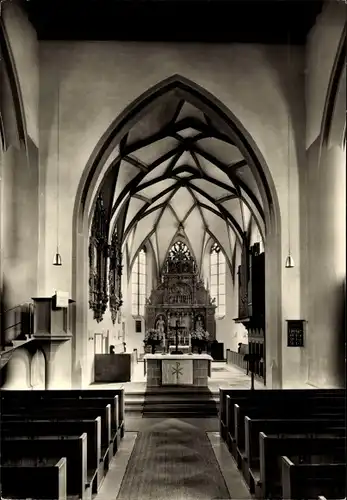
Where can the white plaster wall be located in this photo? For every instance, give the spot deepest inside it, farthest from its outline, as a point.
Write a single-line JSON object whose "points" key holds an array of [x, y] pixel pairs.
{"points": [[322, 44], [24, 47], [18, 371]]}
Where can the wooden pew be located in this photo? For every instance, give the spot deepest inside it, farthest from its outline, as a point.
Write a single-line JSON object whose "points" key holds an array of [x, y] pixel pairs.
{"points": [[272, 448], [41, 448], [253, 427], [96, 394], [30, 398], [313, 410], [92, 428], [68, 413], [46, 481], [270, 397], [309, 480]]}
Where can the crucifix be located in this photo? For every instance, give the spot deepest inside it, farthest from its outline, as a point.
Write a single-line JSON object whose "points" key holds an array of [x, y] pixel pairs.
{"points": [[177, 328]]}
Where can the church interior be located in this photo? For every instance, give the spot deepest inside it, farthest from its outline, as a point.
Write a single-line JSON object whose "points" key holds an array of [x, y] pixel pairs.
{"points": [[172, 249]]}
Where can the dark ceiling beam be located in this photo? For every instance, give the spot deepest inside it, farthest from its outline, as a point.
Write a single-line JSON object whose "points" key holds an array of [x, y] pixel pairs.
{"points": [[122, 144], [199, 208], [187, 168], [136, 163], [190, 210], [226, 198], [178, 110], [143, 243], [221, 209], [237, 165], [143, 198], [170, 129], [236, 180], [197, 162], [136, 219], [145, 210], [130, 188]]}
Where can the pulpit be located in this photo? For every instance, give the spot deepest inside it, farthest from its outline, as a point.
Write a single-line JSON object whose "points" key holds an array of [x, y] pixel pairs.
{"points": [[181, 302]]}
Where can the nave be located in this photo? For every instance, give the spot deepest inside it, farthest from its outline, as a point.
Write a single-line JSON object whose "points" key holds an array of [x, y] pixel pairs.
{"points": [[103, 444]]}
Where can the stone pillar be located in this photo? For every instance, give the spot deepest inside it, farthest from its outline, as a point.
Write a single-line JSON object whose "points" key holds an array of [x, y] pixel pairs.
{"points": [[325, 266]]}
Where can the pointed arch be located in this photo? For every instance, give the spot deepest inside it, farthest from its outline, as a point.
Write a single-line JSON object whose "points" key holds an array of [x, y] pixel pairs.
{"points": [[229, 127]]}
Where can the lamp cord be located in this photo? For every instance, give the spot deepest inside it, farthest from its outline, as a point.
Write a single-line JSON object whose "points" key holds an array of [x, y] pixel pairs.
{"points": [[58, 147], [288, 146]]}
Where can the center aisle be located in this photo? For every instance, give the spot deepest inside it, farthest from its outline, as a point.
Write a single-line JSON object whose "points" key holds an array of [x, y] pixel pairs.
{"points": [[173, 458]]}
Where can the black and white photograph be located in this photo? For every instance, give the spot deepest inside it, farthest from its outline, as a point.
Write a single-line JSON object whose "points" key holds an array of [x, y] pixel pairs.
{"points": [[173, 250]]}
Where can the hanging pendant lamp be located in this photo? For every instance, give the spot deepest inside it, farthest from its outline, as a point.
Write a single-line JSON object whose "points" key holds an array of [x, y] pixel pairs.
{"points": [[57, 260], [289, 264]]}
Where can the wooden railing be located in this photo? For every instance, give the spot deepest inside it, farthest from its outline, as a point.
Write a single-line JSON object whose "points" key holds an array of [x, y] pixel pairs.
{"points": [[236, 358], [16, 323]]}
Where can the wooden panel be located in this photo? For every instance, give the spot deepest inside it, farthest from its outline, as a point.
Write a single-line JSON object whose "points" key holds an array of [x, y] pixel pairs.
{"points": [[112, 367]]}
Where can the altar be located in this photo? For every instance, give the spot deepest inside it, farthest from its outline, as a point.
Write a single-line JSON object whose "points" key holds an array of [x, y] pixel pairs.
{"points": [[177, 369]]}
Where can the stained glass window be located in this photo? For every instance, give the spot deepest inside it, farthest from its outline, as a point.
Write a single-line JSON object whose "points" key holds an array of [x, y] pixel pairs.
{"points": [[217, 278], [138, 284]]}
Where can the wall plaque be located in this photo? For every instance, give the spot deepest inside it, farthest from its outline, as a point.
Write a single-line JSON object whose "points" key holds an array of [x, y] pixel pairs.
{"points": [[295, 331]]}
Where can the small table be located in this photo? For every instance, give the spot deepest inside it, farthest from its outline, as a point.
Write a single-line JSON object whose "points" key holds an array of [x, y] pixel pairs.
{"points": [[177, 369]]}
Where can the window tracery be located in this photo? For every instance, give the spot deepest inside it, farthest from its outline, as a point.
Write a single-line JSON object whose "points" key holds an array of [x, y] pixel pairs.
{"points": [[139, 281], [179, 259], [217, 278]]}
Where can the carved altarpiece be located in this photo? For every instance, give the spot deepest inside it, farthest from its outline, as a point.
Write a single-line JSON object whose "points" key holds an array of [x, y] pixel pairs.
{"points": [[180, 299]]}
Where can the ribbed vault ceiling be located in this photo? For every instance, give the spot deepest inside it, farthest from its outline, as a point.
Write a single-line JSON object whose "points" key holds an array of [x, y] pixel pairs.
{"points": [[178, 174]]}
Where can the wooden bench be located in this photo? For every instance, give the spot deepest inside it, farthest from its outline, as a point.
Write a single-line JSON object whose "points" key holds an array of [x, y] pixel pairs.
{"points": [[40, 448], [74, 394], [92, 428], [272, 397], [288, 411], [44, 481], [272, 448], [69, 413], [309, 480], [253, 427]]}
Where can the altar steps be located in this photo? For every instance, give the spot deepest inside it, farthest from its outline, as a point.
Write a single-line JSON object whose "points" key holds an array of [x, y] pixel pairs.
{"points": [[172, 404]]}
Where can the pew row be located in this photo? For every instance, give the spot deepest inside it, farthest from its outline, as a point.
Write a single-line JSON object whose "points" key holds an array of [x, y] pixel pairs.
{"points": [[68, 413], [299, 449], [72, 394], [59, 428], [309, 480], [270, 396], [38, 450], [253, 427], [315, 410], [43, 481]]}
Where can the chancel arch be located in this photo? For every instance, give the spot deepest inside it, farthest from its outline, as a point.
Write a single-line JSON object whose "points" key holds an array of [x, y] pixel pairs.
{"points": [[192, 168]]}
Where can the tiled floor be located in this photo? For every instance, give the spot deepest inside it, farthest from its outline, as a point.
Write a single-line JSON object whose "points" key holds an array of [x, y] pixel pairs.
{"points": [[222, 375]]}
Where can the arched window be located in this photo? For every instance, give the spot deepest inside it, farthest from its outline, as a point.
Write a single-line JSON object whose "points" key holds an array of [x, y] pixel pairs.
{"points": [[217, 278], [138, 283]]}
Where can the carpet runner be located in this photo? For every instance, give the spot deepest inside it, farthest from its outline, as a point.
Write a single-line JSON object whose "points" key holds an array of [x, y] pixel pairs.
{"points": [[173, 460]]}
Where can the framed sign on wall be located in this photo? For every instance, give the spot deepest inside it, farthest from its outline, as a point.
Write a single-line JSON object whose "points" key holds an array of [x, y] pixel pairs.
{"points": [[295, 332]]}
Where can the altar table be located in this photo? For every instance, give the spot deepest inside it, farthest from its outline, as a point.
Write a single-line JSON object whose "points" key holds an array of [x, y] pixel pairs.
{"points": [[177, 369]]}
